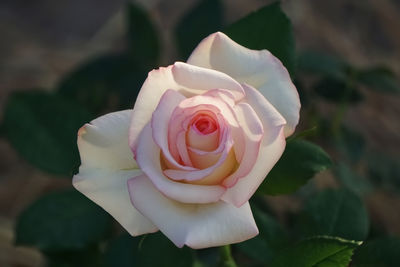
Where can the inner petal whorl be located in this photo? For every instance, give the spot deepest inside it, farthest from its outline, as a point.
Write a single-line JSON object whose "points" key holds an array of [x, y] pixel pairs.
{"points": [[203, 132], [205, 124]]}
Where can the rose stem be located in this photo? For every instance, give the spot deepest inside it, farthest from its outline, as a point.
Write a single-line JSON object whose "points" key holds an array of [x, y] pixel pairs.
{"points": [[226, 259]]}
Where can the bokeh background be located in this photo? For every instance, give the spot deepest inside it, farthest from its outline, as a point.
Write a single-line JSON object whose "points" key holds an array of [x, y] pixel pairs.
{"points": [[44, 40]]}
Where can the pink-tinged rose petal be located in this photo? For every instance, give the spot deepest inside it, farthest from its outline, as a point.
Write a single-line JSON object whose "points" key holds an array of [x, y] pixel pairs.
{"points": [[187, 79], [253, 131], [108, 189], [201, 159], [258, 68], [271, 119], [148, 159], [158, 81], [205, 142], [213, 175], [205, 125], [237, 133], [199, 80], [224, 95], [219, 103], [183, 150], [221, 114], [245, 187], [160, 123], [104, 142], [180, 122], [195, 225], [223, 133]]}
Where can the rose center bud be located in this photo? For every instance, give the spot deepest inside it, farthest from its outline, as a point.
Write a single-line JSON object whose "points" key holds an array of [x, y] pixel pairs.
{"points": [[205, 125], [203, 133]]}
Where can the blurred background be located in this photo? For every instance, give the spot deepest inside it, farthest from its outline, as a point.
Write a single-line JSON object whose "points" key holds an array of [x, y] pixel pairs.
{"points": [[43, 41]]}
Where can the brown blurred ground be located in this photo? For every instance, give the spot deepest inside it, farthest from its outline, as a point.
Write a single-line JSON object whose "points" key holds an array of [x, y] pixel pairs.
{"points": [[42, 40]]}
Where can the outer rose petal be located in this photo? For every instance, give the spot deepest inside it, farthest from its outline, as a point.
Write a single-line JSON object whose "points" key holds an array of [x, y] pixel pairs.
{"points": [[196, 225], [187, 79], [259, 68], [108, 189], [246, 186], [107, 164], [104, 142]]}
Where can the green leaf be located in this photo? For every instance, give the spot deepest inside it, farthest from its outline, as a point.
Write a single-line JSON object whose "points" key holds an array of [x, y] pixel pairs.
{"points": [[142, 36], [208, 257], [383, 252], [109, 82], [272, 238], [379, 79], [305, 133], [350, 143], [267, 28], [149, 250], [337, 91], [336, 213], [317, 252], [42, 127], [202, 20], [88, 257], [351, 180], [300, 161], [384, 170], [322, 64], [120, 252], [59, 221]]}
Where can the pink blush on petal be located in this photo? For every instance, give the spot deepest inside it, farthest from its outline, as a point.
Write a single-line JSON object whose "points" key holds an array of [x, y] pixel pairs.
{"points": [[205, 124]]}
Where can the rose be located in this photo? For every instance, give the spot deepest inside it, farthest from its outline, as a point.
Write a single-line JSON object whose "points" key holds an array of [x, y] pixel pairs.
{"points": [[204, 135]]}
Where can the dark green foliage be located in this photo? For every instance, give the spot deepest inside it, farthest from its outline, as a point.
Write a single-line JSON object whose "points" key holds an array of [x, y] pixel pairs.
{"points": [[300, 161], [317, 252], [379, 79], [267, 28], [322, 64], [384, 171], [337, 91], [272, 238], [62, 221], [88, 257], [336, 213], [109, 82], [149, 250], [143, 41], [351, 180], [202, 20], [382, 252], [120, 251], [43, 128], [208, 257], [112, 81], [350, 143]]}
